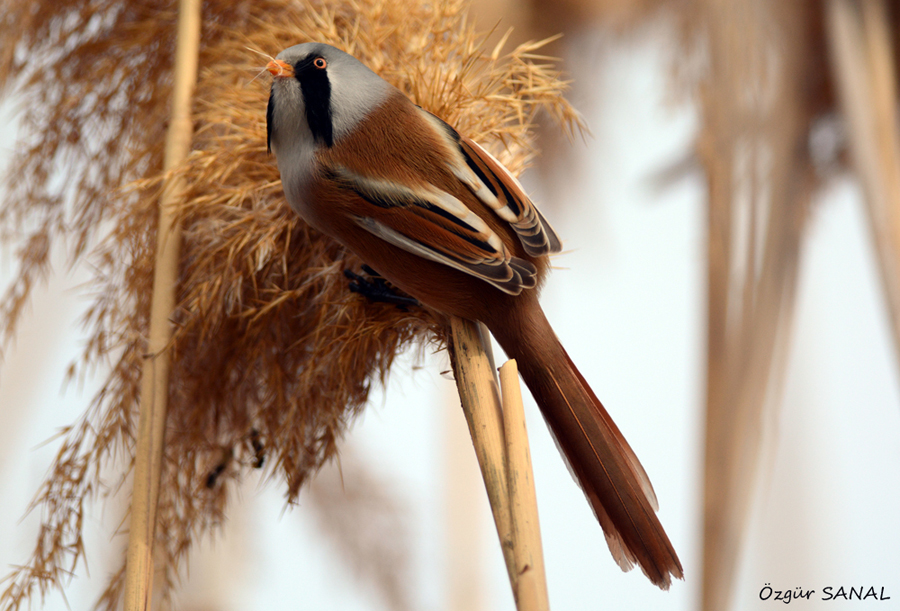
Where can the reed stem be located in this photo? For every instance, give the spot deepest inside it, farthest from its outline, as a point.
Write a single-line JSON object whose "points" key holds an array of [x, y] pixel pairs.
{"points": [[480, 398], [531, 581], [155, 380]]}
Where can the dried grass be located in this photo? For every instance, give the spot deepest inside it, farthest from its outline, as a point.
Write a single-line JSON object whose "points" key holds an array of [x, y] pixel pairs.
{"points": [[268, 338]]}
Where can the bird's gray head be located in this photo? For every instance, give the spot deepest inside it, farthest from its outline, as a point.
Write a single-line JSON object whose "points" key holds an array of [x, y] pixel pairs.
{"points": [[319, 94]]}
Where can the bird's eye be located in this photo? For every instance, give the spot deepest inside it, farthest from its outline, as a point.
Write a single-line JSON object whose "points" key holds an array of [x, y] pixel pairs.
{"points": [[320, 63]]}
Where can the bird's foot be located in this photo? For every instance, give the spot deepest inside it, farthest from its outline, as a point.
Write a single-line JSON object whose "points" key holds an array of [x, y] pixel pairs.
{"points": [[372, 285]]}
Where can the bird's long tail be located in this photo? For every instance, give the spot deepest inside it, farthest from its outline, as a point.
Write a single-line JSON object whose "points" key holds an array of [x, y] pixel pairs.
{"points": [[607, 469]]}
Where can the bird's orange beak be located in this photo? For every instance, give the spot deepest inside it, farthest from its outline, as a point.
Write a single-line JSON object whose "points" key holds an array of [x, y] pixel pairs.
{"points": [[280, 69]]}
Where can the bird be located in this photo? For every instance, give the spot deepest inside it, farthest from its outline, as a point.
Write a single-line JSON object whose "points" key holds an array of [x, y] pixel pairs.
{"points": [[445, 222]]}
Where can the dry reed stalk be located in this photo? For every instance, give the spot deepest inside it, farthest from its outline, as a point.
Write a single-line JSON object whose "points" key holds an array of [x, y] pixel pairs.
{"points": [[531, 580], [479, 394], [865, 74], [148, 460], [756, 102], [501, 446], [270, 349]]}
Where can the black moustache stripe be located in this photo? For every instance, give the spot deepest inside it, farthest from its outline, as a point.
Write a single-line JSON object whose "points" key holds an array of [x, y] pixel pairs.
{"points": [[317, 98]]}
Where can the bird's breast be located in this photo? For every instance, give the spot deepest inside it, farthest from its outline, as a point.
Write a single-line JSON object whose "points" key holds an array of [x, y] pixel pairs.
{"points": [[297, 171]]}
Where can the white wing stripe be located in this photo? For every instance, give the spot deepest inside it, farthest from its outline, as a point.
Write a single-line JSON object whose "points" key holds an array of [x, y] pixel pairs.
{"points": [[398, 239]]}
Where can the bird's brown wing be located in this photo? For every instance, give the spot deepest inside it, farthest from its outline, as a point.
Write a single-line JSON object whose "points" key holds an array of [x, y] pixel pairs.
{"points": [[433, 224], [499, 190]]}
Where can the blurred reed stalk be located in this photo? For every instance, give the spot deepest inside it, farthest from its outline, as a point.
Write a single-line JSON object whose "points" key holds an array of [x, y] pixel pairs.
{"points": [[466, 577], [769, 82], [754, 146], [859, 39], [148, 459]]}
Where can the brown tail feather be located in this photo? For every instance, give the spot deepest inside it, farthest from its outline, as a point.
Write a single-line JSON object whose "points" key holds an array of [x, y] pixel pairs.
{"points": [[615, 483]]}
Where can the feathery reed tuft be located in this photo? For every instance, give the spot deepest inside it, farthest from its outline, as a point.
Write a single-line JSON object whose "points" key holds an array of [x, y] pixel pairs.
{"points": [[272, 355]]}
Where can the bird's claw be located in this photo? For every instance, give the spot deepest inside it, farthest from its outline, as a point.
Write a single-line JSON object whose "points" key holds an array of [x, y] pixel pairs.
{"points": [[375, 288]]}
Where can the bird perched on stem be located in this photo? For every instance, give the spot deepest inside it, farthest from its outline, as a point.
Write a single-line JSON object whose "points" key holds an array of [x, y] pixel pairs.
{"points": [[444, 221]]}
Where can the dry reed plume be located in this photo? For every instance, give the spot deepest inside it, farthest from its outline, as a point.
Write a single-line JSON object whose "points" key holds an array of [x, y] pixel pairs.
{"points": [[272, 356]]}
